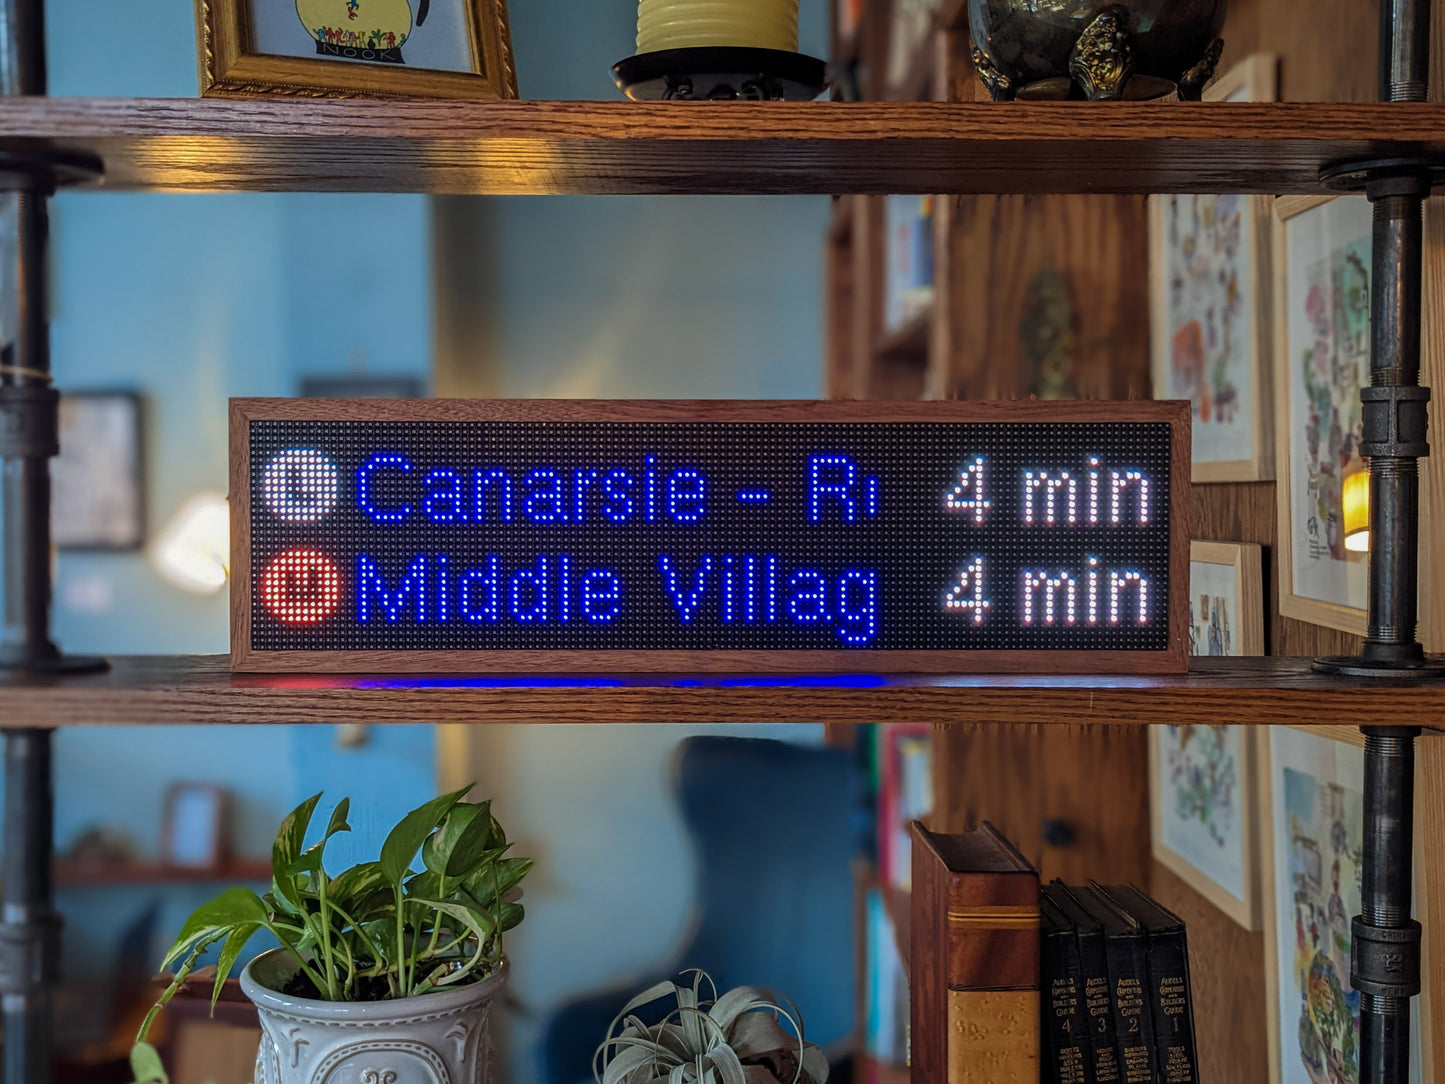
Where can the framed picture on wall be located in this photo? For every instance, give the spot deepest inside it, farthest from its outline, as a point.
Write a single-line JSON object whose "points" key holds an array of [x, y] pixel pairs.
{"points": [[1313, 796], [1322, 360], [1202, 788], [193, 833], [1210, 311], [98, 480], [355, 48], [1226, 599]]}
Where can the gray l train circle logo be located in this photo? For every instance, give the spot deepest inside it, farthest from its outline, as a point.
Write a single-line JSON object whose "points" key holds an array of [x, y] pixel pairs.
{"points": [[301, 485]]}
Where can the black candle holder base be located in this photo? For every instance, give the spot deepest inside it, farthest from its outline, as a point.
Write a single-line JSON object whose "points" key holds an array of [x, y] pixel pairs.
{"points": [[721, 73]]}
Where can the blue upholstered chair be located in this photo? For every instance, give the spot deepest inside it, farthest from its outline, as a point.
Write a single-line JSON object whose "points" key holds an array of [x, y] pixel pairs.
{"points": [[775, 829]]}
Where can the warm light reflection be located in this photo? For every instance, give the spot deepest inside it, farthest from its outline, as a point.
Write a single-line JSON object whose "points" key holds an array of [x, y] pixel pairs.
{"points": [[193, 549], [1355, 495]]}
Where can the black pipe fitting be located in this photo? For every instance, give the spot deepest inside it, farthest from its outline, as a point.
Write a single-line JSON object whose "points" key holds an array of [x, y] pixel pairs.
{"points": [[29, 421]]}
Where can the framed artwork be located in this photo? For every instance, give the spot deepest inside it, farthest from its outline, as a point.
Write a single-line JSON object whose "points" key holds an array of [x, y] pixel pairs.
{"points": [[1202, 790], [1210, 311], [193, 833], [98, 480], [1322, 360], [1226, 599], [355, 48], [1313, 796]]}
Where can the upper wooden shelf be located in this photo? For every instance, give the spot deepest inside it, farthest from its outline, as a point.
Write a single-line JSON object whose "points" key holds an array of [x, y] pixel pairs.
{"points": [[542, 147], [201, 689]]}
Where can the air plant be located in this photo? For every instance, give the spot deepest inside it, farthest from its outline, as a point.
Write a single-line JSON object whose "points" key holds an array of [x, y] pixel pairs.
{"points": [[737, 1038]]}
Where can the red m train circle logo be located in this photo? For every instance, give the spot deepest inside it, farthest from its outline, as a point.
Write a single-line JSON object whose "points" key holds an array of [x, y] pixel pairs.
{"points": [[301, 587]]}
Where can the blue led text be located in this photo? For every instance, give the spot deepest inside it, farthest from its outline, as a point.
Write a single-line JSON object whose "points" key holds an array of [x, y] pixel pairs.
{"points": [[756, 589]]}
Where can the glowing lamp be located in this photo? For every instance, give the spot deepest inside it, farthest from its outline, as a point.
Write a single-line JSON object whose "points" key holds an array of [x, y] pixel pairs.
{"points": [[193, 549], [1355, 496], [683, 24]]}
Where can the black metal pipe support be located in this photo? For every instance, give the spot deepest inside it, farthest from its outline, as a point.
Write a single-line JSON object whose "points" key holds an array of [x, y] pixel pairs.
{"points": [[1394, 416], [1385, 940], [29, 936], [27, 442], [1404, 50]]}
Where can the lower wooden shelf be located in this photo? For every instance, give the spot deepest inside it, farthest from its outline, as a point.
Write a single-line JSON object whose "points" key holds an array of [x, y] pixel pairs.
{"points": [[141, 690]]}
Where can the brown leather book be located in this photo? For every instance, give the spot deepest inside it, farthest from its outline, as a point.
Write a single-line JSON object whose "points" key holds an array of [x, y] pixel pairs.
{"points": [[974, 973]]}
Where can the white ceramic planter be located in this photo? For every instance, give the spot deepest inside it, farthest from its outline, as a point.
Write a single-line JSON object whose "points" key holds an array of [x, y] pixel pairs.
{"points": [[440, 1038]]}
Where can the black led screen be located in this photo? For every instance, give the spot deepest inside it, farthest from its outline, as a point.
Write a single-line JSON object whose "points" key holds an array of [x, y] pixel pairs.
{"points": [[451, 536]]}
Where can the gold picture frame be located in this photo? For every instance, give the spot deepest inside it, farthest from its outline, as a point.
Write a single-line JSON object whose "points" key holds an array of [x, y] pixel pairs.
{"points": [[1343, 578], [1253, 79], [1429, 897], [232, 64]]}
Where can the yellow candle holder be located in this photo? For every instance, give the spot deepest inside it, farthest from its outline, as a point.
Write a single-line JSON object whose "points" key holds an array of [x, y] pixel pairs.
{"points": [[719, 50], [693, 24]]}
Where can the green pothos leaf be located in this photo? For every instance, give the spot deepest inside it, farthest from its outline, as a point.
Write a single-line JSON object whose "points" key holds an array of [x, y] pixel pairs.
{"points": [[145, 1065]]}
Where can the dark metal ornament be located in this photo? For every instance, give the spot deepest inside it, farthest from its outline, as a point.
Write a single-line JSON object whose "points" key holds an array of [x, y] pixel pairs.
{"points": [[721, 73], [1095, 49]]}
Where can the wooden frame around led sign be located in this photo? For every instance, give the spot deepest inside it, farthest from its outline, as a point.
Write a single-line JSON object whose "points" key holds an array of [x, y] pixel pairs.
{"points": [[1173, 659]]}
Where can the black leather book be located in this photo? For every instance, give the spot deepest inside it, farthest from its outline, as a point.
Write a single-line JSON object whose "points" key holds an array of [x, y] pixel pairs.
{"points": [[1170, 996], [1068, 1054], [1094, 974], [1126, 946]]}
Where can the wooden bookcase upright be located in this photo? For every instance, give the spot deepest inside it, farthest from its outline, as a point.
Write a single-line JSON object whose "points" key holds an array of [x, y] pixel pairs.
{"points": [[991, 164]]}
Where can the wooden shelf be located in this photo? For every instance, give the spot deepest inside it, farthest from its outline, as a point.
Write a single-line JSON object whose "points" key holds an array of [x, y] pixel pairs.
{"points": [[201, 690], [724, 147], [70, 874]]}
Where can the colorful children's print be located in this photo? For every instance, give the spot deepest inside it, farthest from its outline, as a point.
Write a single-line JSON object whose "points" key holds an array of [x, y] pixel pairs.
{"points": [[1323, 850], [1210, 318], [1213, 610], [1200, 816], [415, 33], [1318, 816], [1200, 804], [1328, 362]]}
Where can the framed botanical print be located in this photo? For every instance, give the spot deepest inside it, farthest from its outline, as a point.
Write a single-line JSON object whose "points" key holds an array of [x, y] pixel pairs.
{"points": [[98, 480], [1210, 311], [1322, 258], [1202, 790], [355, 48], [1313, 797]]}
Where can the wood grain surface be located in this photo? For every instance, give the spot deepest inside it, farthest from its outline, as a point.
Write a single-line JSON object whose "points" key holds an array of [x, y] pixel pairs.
{"points": [[200, 689], [996, 247], [245, 658], [537, 147], [1093, 779]]}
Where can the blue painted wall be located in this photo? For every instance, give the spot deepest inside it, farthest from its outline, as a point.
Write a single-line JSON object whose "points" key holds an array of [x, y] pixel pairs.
{"points": [[191, 300], [627, 297], [660, 297]]}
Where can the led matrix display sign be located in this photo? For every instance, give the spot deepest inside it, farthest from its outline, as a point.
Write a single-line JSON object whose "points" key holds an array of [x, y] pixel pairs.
{"points": [[455, 536]]}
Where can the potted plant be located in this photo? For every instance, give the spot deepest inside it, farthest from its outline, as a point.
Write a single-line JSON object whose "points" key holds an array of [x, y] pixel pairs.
{"points": [[734, 1039], [384, 973]]}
